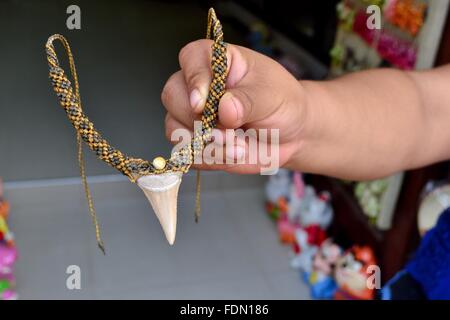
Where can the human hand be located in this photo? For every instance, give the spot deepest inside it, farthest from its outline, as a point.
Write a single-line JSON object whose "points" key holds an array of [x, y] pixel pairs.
{"points": [[260, 94]]}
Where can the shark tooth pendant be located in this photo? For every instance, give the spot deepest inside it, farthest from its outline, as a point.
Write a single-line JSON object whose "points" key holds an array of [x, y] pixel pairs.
{"points": [[162, 192], [159, 179]]}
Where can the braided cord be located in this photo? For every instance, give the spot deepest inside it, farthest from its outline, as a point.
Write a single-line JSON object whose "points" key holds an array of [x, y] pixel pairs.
{"points": [[133, 168]]}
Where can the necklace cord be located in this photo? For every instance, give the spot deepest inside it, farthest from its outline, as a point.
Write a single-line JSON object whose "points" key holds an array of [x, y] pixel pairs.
{"points": [[134, 168]]}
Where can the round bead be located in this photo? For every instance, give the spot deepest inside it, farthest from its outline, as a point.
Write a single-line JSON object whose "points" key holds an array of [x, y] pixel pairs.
{"points": [[159, 163]]}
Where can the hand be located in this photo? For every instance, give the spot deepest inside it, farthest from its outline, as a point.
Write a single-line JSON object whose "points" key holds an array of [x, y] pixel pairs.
{"points": [[260, 94]]}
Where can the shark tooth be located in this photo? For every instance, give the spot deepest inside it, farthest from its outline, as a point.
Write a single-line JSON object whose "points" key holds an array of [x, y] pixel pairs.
{"points": [[161, 191]]}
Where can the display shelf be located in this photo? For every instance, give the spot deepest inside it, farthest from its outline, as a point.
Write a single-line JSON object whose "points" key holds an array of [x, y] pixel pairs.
{"points": [[349, 217]]}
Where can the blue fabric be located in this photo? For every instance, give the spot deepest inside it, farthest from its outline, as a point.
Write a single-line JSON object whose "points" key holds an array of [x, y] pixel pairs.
{"points": [[386, 293], [431, 263]]}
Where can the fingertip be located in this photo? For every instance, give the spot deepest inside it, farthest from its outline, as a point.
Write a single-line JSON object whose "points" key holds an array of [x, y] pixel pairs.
{"points": [[197, 99]]}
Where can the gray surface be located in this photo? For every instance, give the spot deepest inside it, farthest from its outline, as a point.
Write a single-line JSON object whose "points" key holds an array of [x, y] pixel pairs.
{"points": [[233, 253]]}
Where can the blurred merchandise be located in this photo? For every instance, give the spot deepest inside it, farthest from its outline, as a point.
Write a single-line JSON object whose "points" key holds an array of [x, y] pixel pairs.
{"points": [[313, 213], [408, 38], [351, 274], [377, 199], [435, 199], [408, 15], [8, 253], [277, 194], [321, 278], [427, 274]]}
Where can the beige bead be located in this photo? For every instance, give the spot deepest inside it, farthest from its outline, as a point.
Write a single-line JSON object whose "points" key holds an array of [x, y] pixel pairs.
{"points": [[159, 163]]}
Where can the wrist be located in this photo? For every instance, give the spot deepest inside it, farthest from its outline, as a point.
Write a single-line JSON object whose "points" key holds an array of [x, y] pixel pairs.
{"points": [[308, 108]]}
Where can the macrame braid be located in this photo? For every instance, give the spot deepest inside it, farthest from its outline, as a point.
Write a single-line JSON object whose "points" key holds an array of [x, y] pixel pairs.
{"points": [[133, 168]]}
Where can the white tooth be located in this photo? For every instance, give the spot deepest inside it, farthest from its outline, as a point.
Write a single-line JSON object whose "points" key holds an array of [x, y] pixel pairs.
{"points": [[162, 192]]}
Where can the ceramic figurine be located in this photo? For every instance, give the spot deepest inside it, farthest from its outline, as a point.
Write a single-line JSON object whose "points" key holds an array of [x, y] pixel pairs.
{"points": [[351, 274], [304, 251], [287, 230], [277, 193], [314, 215], [300, 202], [319, 212], [321, 280]]}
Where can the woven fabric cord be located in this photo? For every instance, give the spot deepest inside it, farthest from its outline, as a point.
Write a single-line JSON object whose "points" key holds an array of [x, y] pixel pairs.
{"points": [[133, 168]]}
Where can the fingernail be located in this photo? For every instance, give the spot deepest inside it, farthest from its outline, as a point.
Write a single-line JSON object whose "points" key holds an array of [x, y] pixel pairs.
{"points": [[195, 98], [235, 103], [238, 154]]}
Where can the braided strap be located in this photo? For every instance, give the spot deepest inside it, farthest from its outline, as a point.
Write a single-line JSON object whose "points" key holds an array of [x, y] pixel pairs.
{"points": [[133, 168]]}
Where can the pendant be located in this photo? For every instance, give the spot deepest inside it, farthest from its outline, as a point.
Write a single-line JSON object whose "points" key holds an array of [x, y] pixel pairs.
{"points": [[162, 192]]}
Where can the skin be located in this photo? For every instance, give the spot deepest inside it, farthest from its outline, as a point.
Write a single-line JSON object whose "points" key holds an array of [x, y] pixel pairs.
{"points": [[361, 126]]}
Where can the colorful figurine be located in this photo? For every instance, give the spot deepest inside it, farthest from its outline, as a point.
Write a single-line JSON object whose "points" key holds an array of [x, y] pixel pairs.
{"points": [[287, 230], [8, 257], [314, 215], [351, 274], [320, 280], [277, 194]]}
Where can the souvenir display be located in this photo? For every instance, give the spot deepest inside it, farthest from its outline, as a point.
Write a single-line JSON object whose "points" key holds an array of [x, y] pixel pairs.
{"points": [[321, 278], [159, 179], [313, 220], [351, 274], [396, 43]]}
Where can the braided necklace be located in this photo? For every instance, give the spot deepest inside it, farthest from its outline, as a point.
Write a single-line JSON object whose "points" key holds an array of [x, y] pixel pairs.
{"points": [[159, 179]]}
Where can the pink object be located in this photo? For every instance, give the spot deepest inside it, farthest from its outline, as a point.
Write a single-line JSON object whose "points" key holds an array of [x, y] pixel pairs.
{"points": [[389, 9], [398, 52], [326, 257], [8, 256], [286, 230], [9, 295], [299, 184]]}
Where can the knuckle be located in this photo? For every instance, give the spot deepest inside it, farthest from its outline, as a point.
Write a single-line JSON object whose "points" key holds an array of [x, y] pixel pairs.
{"points": [[247, 103], [167, 91], [194, 79], [189, 50], [186, 52], [168, 127]]}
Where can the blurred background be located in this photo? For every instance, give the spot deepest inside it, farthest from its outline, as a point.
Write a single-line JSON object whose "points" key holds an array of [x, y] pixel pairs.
{"points": [[124, 52]]}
